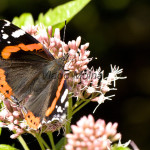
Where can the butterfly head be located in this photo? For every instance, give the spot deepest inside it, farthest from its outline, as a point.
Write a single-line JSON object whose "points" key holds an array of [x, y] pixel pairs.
{"points": [[63, 60]]}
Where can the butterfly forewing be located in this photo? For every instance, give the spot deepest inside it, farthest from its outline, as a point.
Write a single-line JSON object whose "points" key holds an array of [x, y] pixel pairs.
{"points": [[14, 40], [25, 74]]}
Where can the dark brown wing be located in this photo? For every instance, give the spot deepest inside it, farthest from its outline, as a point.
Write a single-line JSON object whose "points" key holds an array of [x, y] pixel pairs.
{"points": [[46, 106], [14, 41], [25, 67], [38, 86]]}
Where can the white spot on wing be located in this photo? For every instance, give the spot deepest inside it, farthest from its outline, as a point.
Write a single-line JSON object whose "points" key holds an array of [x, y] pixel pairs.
{"points": [[66, 104], [59, 109], [7, 23], [64, 96], [4, 36], [8, 42], [18, 33], [43, 121], [54, 119], [63, 116]]}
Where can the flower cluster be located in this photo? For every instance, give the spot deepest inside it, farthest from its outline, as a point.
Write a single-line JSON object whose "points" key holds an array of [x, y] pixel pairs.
{"points": [[11, 117], [92, 83], [82, 83], [91, 135], [78, 59]]}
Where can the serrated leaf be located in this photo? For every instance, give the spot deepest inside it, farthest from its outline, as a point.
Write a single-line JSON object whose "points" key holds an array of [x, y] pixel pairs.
{"points": [[23, 20], [56, 17], [7, 147], [60, 144]]}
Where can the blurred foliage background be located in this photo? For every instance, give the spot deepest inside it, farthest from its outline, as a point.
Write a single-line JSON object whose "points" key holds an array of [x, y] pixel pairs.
{"points": [[119, 34]]}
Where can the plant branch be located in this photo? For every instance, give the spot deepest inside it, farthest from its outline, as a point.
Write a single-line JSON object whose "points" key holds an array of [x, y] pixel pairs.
{"points": [[23, 143], [50, 135], [79, 107]]}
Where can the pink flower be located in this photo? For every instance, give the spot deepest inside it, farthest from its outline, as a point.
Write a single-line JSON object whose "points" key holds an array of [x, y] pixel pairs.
{"points": [[11, 114], [83, 82], [92, 135], [91, 84]]}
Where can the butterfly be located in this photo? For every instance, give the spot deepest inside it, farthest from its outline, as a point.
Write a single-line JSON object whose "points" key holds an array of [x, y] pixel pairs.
{"points": [[31, 77]]}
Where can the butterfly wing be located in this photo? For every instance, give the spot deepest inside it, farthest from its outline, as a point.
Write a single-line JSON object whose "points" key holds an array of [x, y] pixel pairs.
{"points": [[14, 41], [23, 64], [20, 54], [48, 104]]}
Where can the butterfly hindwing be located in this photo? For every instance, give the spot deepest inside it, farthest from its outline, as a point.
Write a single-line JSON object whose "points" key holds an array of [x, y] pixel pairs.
{"points": [[25, 76], [46, 100]]}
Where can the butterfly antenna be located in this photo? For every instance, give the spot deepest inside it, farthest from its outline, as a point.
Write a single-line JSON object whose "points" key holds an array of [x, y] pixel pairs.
{"points": [[64, 30]]}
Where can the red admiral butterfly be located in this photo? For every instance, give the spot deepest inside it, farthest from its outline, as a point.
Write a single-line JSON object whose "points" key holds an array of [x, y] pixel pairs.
{"points": [[25, 76]]}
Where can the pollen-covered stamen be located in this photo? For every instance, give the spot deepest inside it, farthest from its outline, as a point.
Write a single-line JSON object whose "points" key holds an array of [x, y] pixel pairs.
{"points": [[113, 76], [100, 99]]}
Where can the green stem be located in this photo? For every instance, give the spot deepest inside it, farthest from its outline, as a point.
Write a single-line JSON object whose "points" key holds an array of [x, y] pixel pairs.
{"points": [[38, 137], [50, 135], [78, 102], [23, 143], [69, 116], [45, 144], [79, 107]]}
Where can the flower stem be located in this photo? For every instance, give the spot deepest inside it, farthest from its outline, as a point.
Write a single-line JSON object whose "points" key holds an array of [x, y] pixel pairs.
{"points": [[38, 137], [82, 105], [45, 144], [69, 117], [78, 102], [50, 135], [23, 143]]}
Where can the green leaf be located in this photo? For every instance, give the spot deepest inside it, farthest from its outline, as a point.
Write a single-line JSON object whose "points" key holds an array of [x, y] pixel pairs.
{"points": [[7, 147], [56, 17], [23, 20], [116, 147], [60, 144]]}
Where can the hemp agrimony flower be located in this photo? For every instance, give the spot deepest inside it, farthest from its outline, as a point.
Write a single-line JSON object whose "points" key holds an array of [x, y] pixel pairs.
{"points": [[86, 84]]}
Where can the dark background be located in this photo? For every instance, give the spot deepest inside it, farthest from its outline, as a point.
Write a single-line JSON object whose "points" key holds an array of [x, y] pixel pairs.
{"points": [[119, 33]]}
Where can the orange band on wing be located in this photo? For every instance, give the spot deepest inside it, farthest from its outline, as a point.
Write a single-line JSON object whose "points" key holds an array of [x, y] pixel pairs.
{"points": [[5, 89], [32, 121], [6, 52], [52, 107]]}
